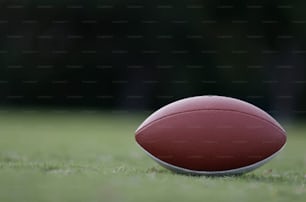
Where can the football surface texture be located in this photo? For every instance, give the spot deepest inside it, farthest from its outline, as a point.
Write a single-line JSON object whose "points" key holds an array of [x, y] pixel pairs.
{"points": [[211, 135]]}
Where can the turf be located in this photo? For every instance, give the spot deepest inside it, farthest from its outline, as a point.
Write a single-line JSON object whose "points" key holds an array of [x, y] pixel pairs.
{"points": [[54, 155]]}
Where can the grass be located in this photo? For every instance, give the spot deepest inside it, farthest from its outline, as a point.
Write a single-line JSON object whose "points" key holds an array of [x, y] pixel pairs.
{"points": [[92, 156]]}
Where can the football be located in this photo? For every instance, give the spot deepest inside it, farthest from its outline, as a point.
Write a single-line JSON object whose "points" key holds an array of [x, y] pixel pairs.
{"points": [[211, 135]]}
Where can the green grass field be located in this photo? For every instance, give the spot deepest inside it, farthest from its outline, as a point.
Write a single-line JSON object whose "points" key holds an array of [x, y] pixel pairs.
{"points": [[92, 156]]}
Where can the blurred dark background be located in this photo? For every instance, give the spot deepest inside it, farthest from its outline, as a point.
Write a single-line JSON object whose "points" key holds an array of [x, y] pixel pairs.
{"points": [[144, 54]]}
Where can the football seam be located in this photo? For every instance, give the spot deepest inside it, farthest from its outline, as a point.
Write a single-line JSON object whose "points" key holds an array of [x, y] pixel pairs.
{"points": [[138, 131]]}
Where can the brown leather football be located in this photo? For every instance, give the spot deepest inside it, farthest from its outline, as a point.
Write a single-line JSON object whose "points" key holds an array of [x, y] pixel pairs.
{"points": [[211, 135]]}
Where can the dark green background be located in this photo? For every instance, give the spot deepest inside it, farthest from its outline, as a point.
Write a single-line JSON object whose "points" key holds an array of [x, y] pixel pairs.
{"points": [[144, 54]]}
